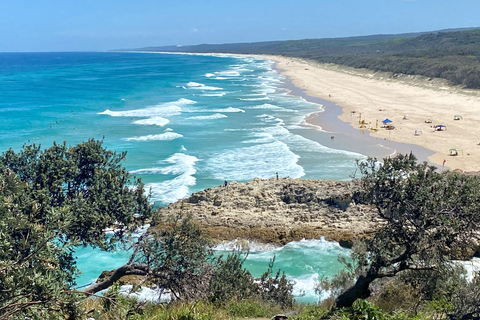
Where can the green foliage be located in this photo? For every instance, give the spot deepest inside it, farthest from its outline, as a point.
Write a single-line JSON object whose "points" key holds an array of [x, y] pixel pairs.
{"points": [[276, 289], [177, 259], [437, 284], [366, 310], [310, 312], [465, 300], [121, 307], [190, 311], [431, 217], [231, 281], [353, 267], [114, 305], [248, 308], [51, 201]]}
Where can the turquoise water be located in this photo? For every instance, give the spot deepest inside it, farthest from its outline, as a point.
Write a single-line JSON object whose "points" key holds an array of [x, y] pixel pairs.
{"points": [[188, 122]]}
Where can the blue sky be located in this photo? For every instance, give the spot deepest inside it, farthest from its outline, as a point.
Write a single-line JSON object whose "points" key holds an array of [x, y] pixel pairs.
{"points": [[90, 25]]}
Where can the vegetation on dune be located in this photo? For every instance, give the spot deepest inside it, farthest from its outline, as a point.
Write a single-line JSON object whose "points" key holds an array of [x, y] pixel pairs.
{"points": [[451, 55], [55, 199]]}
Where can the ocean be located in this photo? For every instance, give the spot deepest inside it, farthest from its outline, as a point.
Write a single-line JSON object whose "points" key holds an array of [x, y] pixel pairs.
{"points": [[188, 122]]}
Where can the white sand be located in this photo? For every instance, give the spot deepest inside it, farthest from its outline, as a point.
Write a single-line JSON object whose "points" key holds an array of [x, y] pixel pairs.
{"points": [[371, 97]]}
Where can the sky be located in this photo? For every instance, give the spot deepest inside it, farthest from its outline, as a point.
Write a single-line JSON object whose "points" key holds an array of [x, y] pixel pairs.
{"points": [[97, 25]]}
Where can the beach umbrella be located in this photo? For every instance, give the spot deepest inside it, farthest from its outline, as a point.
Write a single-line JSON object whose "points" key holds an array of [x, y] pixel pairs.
{"points": [[440, 127], [386, 121]]}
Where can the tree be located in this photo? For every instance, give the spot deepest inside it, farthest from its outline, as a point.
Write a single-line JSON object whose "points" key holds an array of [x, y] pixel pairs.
{"points": [[231, 281], [430, 217], [52, 201], [175, 259]]}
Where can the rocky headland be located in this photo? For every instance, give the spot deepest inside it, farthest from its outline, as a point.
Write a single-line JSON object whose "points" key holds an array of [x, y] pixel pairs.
{"points": [[280, 210]]}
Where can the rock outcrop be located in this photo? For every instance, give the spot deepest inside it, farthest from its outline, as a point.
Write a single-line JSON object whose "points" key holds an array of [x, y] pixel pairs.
{"points": [[280, 211]]}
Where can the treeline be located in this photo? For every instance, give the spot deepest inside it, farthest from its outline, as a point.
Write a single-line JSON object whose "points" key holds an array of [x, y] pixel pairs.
{"points": [[451, 55]]}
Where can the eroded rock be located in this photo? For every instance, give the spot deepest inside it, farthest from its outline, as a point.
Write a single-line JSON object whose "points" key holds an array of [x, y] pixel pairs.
{"points": [[281, 211]]}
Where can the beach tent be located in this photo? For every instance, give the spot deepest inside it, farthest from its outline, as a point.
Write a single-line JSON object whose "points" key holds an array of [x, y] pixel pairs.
{"points": [[454, 151], [418, 132], [457, 117], [440, 127], [386, 121]]}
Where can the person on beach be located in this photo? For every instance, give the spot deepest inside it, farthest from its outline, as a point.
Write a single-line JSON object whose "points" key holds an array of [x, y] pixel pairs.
{"points": [[225, 184], [277, 175]]}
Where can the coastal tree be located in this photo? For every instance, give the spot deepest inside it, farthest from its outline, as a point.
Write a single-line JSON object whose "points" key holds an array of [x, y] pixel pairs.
{"points": [[431, 217], [176, 258], [51, 201]]}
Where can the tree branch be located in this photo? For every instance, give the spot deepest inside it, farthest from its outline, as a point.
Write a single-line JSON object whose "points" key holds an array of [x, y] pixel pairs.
{"points": [[117, 274]]}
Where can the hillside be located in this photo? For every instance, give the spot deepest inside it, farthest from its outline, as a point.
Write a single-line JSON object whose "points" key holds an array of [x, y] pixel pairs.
{"points": [[453, 55]]}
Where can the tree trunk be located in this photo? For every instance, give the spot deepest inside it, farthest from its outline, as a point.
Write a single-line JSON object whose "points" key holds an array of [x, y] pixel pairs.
{"points": [[359, 290], [120, 272]]}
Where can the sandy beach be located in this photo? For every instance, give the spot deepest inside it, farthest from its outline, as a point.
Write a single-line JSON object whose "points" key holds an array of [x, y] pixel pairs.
{"points": [[367, 98]]}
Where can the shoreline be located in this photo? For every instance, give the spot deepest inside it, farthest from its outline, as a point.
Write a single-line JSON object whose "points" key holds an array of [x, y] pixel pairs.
{"points": [[350, 95], [360, 94], [345, 136]]}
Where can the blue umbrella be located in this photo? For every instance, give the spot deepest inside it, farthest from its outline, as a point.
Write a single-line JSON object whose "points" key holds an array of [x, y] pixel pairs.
{"points": [[386, 121]]}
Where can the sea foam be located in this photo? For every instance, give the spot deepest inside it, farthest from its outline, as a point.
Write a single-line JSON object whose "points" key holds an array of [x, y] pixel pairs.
{"points": [[158, 121], [160, 110], [180, 165], [167, 136], [210, 117], [201, 86], [260, 161]]}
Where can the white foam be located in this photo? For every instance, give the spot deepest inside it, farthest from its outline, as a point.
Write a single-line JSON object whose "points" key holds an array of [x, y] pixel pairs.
{"points": [[254, 99], [219, 110], [269, 119], [228, 73], [219, 94], [304, 288], [260, 137], [146, 294], [167, 136], [179, 164], [227, 110], [471, 266], [209, 75], [195, 84], [201, 86], [262, 161], [244, 245], [304, 125], [159, 110], [210, 117], [269, 106], [157, 121]]}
